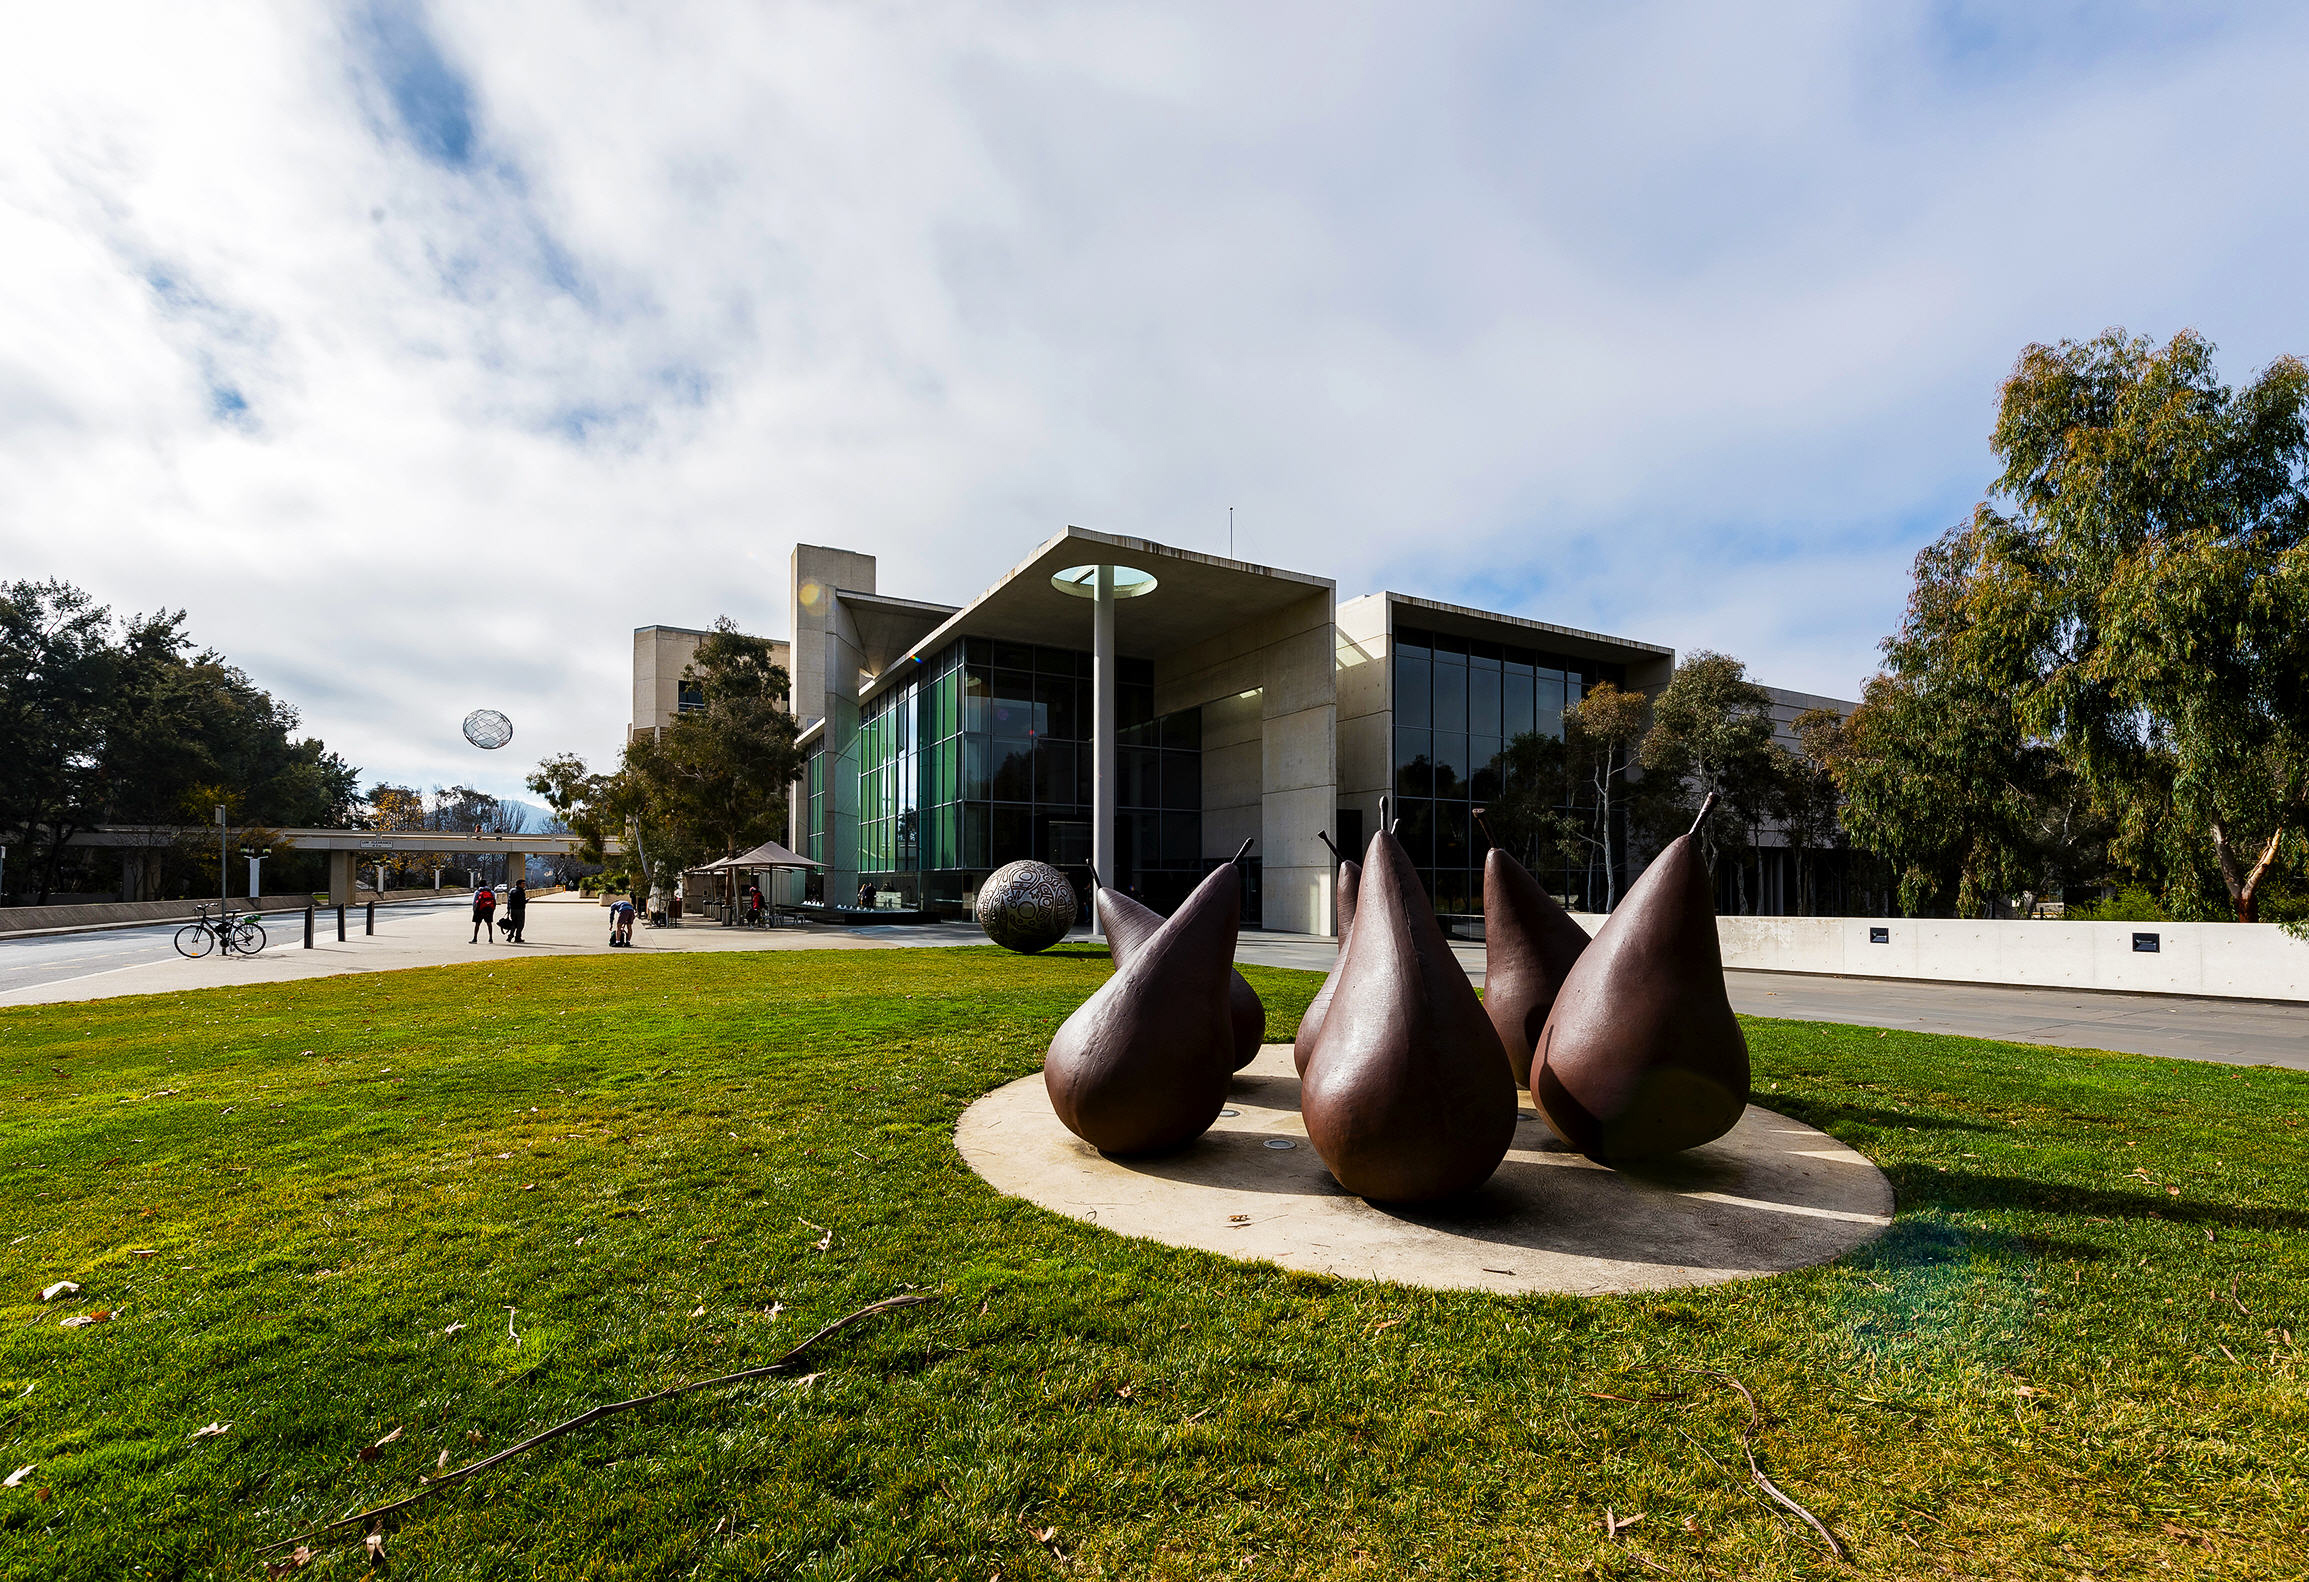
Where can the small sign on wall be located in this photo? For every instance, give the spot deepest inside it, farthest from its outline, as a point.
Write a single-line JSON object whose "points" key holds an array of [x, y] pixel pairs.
{"points": [[2145, 944], [1880, 936]]}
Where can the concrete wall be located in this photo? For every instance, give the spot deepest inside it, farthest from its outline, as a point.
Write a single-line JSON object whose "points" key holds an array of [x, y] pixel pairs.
{"points": [[2224, 960], [1234, 773], [1284, 664], [827, 658], [660, 655], [1366, 708]]}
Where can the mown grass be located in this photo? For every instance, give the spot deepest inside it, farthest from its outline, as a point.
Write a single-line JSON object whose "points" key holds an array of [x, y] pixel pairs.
{"points": [[2054, 1366]]}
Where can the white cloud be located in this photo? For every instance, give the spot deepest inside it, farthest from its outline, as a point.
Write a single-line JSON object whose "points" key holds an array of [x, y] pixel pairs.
{"points": [[422, 355]]}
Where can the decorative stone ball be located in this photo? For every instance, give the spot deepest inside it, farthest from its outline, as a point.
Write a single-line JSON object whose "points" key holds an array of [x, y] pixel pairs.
{"points": [[1026, 906]]}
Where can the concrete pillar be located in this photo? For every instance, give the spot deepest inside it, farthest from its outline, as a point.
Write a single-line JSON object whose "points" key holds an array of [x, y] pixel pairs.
{"points": [[255, 869], [131, 874], [516, 867], [341, 878], [1102, 717]]}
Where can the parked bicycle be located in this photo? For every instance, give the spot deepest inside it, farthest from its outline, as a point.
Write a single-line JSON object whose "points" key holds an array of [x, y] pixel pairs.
{"points": [[228, 933]]}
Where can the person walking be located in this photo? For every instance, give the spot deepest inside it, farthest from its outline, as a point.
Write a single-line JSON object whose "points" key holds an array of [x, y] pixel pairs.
{"points": [[516, 911], [484, 915]]}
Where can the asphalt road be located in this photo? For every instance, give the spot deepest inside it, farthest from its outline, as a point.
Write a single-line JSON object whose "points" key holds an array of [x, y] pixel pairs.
{"points": [[53, 960], [2245, 1032]]}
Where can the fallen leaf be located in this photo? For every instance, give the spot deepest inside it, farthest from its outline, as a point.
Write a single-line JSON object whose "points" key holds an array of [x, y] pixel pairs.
{"points": [[442, 1465], [806, 1380], [773, 1310], [473, 1437], [453, 1328], [142, 1252], [700, 1312], [296, 1559], [211, 1431], [375, 1544], [60, 1288], [1123, 1390], [1043, 1535], [100, 1316], [1389, 1324], [18, 1476], [369, 1452], [531, 1187], [2172, 1191]]}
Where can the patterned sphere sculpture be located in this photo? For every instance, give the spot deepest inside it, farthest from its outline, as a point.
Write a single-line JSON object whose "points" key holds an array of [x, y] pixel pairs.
{"points": [[1026, 906], [487, 728]]}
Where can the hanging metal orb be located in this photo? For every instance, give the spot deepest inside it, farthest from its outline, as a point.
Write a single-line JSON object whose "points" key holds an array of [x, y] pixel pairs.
{"points": [[1026, 906], [488, 728]]}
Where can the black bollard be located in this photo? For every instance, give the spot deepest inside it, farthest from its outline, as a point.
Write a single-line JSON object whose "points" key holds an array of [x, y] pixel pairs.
{"points": [[340, 925], [308, 928], [371, 926]]}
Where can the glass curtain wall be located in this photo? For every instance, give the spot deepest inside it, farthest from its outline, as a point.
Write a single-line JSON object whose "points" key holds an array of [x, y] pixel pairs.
{"points": [[983, 757], [1458, 703]]}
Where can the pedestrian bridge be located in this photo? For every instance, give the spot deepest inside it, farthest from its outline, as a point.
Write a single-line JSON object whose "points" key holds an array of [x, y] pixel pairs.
{"points": [[344, 846]]}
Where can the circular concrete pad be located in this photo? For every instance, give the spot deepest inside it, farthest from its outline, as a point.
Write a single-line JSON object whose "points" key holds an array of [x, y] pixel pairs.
{"points": [[1772, 1195]]}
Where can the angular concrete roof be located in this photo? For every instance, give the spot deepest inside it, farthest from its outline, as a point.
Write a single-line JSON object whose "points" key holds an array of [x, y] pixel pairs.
{"points": [[1197, 596]]}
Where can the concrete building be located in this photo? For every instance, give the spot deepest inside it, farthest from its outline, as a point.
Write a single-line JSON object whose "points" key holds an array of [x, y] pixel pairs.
{"points": [[1245, 702], [661, 654]]}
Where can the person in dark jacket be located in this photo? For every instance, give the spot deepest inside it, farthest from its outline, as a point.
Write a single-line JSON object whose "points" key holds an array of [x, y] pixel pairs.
{"points": [[516, 911]]}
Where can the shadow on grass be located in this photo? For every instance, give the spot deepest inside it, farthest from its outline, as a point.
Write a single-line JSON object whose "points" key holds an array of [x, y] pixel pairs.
{"points": [[1817, 1112], [1921, 1186]]}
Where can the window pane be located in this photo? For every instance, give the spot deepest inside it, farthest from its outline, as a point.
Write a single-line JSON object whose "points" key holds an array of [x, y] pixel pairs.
{"points": [[1183, 781], [1483, 767], [1055, 697], [1139, 770], [974, 837], [1450, 765], [1413, 691], [1182, 840], [976, 777], [1450, 694], [1411, 642], [1013, 772], [1414, 763], [1133, 706], [977, 694], [1446, 644], [1146, 847], [1010, 835], [1451, 841], [1183, 730], [1515, 695], [1483, 686], [1014, 656], [1550, 706], [1054, 772], [1416, 830]]}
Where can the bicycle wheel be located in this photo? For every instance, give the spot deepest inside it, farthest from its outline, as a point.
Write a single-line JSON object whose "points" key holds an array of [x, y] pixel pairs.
{"points": [[194, 939], [248, 936]]}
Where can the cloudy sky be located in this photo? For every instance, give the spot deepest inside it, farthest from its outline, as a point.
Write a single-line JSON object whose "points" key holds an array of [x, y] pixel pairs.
{"points": [[421, 352]]}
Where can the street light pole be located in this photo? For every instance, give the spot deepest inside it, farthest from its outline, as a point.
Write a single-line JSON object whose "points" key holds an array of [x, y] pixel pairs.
{"points": [[223, 879]]}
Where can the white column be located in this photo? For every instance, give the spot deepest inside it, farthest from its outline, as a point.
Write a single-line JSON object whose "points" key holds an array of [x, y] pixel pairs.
{"points": [[253, 861], [1102, 732]]}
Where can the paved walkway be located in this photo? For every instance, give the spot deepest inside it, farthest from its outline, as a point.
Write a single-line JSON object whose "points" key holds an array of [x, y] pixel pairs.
{"points": [[143, 961]]}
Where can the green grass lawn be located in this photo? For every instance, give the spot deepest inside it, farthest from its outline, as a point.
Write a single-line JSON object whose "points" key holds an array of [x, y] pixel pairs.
{"points": [[2074, 1355]]}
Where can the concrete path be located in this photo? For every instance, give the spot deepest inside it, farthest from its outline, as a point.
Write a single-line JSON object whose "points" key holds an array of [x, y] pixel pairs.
{"points": [[143, 961]]}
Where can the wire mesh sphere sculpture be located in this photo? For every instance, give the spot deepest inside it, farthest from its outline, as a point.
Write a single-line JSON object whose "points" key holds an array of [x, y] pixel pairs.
{"points": [[488, 728], [1026, 906]]}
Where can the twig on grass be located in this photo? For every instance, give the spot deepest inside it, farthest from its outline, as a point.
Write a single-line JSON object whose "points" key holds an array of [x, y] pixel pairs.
{"points": [[1748, 1449], [595, 1414]]}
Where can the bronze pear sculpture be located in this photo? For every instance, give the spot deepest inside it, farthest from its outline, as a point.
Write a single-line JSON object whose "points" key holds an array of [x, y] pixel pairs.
{"points": [[1641, 1055], [1407, 1097], [1529, 945], [1144, 1064], [1127, 925], [1311, 1024]]}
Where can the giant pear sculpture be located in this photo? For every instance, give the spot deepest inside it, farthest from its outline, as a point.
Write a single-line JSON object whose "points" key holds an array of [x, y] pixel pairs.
{"points": [[1641, 1055], [1128, 925], [1311, 1024], [1407, 1098], [1143, 1064], [1529, 944]]}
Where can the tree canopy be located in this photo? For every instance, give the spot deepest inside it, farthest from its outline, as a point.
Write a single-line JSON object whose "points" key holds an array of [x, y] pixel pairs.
{"points": [[2117, 639], [105, 721]]}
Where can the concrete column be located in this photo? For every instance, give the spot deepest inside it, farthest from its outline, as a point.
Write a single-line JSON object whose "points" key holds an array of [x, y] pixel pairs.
{"points": [[341, 878], [516, 867], [255, 866], [1102, 716]]}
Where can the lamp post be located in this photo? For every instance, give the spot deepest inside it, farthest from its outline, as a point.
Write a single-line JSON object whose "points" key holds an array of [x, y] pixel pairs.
{"points": [[223, 882]]}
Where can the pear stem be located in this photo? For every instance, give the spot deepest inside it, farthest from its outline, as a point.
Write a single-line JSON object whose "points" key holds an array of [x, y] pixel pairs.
{"points": [[1246, 851], [1477, 814], [1329, 845], [1096, 883], [1703, 818]]}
